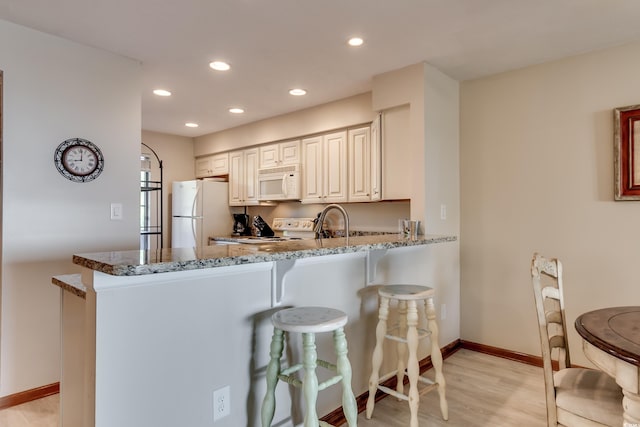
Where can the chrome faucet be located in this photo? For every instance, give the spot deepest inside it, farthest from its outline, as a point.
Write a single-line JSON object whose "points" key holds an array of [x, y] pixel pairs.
{"points": [[323, 214]]}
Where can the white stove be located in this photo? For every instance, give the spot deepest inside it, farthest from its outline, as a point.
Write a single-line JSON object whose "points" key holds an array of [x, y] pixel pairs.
{"points": [[294, 227]]}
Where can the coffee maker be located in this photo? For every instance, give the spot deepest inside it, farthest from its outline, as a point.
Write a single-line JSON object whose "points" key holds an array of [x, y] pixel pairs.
{"points": [[241, 225]]}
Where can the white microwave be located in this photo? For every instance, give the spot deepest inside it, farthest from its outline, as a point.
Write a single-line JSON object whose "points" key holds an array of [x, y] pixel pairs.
{"points": [[279, 183]]}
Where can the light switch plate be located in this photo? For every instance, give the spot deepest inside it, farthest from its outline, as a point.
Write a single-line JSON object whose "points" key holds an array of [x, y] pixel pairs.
{"points": [[116, 211]]}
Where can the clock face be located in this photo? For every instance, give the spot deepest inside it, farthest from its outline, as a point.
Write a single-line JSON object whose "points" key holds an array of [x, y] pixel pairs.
{"points": [[79, 160]]}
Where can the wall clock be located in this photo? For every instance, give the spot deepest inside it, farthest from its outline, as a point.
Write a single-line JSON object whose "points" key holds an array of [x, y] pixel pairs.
{"points": [[79, 160]]}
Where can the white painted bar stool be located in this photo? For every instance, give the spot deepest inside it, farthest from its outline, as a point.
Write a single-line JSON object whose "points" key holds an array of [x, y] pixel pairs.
{"points": [[407, 334], [309, 321]]}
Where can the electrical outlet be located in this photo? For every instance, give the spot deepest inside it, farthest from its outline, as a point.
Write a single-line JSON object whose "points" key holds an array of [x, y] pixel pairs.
{"points": [[221, 403], [443, 312], [443, 211]]}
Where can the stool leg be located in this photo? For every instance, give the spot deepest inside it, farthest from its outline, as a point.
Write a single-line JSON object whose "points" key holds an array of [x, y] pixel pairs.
{"points": [[436, 357], [310, 380], [273, 370], [349, 406], [376, 362], [401, 347], [412, 364]]}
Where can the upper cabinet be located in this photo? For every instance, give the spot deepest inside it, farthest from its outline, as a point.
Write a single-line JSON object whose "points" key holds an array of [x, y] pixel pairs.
{"points": [[337, 167], [359, 164], [283, 153], [324, 168], [243, 177], [215, 165], [376, 159], [396, 181]]}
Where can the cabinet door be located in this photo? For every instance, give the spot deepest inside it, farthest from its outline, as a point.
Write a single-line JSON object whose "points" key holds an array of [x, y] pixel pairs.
{"points": [[203, 167], [312, 175], [251, 177], [220, 164], [236, 178], [335, 167], [269, 155], [376, 160], [359, 165], [215, 165], [396, 181], [290, 152]]}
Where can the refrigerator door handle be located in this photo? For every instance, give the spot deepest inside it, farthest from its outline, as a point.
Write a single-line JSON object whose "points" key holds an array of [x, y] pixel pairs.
{"points": [[193, 231], [195, 200]]}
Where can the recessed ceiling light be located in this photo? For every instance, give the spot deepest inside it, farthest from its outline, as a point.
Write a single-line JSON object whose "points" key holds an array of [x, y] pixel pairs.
{"points": [[219, 65], [355, 41], [162, 92], [191, 125], [298, 92], [236, 110]]}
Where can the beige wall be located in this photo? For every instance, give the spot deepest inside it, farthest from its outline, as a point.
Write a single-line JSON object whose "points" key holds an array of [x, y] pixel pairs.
{"points": [[80, 92], [334, 115], [536, 169], [176, 153]]}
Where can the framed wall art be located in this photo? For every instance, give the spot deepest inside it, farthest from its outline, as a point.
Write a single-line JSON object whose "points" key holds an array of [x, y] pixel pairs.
{"points": [[627, 152]]}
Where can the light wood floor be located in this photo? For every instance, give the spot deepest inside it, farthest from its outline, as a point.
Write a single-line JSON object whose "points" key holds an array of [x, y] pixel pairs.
{"points": [[482, 390]]}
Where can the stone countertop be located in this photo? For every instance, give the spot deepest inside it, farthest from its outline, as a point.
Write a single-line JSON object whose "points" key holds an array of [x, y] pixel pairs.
{"points": [[71, 283], [135, 263]]}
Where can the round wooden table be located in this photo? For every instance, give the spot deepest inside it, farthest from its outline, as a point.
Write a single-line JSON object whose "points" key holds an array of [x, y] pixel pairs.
{"points": [[611, 340]]}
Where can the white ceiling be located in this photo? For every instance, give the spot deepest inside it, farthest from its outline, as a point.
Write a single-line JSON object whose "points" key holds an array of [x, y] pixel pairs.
{"points": [[275, 45]]}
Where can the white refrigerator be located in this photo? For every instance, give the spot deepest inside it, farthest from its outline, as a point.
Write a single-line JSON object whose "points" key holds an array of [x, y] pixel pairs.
{"points": [[200, 209]]}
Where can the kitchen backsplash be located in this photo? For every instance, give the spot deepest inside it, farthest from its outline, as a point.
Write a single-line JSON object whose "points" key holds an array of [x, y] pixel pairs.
{"points": [[380, 216]]}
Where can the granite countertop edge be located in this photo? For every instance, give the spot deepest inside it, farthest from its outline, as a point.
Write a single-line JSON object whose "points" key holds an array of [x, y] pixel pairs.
{"points": [[71, 283], [136, 263]]}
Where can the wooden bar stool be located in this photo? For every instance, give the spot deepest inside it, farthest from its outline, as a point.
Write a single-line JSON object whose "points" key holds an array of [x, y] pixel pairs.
{"points": [[309, 321], [407, 334]]}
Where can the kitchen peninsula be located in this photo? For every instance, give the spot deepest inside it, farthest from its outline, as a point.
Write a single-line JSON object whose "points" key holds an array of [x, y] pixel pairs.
{"points": [[159, 331]]}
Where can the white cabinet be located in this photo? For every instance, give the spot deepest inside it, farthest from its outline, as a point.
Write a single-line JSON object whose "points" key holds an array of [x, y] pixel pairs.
{"points": [[364, 163], [396, 178], [359, 164], [283, 153], [214, 165], [376, 159], [243, 177], [324, 163]]}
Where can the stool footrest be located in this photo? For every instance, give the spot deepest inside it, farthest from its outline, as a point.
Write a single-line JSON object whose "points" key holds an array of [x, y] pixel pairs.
{"points": [[329, 382], [291, 369], [327, 365], [290, 380], [286, 376], [430, 385], [393, 392], [422, 333]]}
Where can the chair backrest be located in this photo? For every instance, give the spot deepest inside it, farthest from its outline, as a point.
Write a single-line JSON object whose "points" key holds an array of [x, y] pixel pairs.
{"points": [[546, 277]]}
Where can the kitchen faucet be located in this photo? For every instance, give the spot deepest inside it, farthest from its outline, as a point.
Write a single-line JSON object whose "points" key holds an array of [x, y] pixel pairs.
{"points": [[323, 214]]}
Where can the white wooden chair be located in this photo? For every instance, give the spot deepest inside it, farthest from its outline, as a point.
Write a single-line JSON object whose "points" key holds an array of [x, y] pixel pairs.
{"points": [[575, 396]]}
